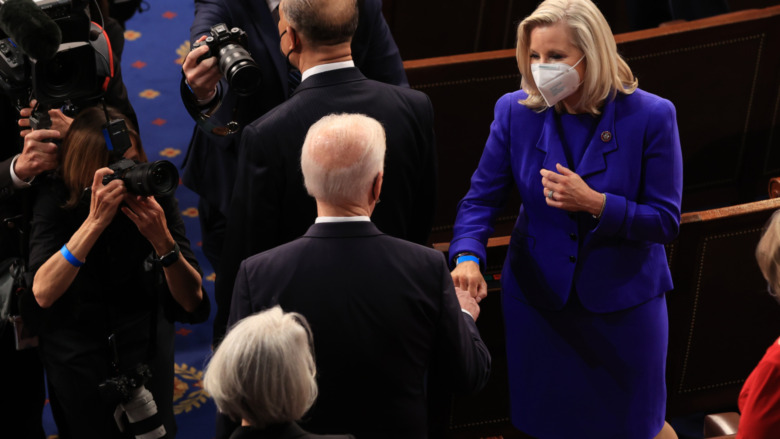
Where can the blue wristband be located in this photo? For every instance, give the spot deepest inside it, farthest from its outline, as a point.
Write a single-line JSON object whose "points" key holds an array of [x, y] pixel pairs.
{"points": [[69, 257], [465, 258]]}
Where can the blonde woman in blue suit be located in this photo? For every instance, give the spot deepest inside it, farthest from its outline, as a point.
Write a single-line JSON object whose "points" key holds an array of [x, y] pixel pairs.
{"points": [[598, 166]]}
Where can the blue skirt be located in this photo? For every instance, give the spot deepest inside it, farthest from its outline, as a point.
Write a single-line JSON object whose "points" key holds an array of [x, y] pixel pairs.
{"points": [[575, 373]]}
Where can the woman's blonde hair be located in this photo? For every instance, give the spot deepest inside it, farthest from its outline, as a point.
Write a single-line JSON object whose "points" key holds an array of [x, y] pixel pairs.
{"points": [[84, 149], [606, 73], [264, 371], [768, 254]]}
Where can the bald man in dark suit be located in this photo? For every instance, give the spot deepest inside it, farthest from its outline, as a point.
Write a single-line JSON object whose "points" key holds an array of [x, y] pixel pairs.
{"points": [[383, 311]]}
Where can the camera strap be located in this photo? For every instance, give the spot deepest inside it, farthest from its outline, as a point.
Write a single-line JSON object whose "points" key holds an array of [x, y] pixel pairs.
{"points": [[113, 343], [115, 134], [203, 118], [151, 347]]}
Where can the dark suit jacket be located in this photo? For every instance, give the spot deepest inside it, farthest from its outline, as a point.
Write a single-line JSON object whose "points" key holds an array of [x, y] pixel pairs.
{"points": [[14, 203], [10, 145], [211, 160], [270, 204], [282, 431], [382, 310]]}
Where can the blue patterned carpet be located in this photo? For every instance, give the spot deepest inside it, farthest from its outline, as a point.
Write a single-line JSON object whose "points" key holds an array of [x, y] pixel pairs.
{"points": [[156, 42]]}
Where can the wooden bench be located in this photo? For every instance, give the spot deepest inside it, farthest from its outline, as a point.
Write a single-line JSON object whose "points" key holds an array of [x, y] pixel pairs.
{"points": [[721, 321], [721, 318], [721, 73]]}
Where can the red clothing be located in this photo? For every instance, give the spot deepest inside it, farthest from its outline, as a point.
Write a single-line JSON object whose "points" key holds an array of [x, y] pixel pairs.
{"points": [[759, 400]]}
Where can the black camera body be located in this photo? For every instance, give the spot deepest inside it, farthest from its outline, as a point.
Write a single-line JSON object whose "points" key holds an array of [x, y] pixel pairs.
{"points": [[119, 389], [145, 179], [234, 61]]}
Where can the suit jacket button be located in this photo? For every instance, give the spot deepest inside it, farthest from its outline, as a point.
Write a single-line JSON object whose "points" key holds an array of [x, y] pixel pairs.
{"points": [[573, 236], [573, 258]]}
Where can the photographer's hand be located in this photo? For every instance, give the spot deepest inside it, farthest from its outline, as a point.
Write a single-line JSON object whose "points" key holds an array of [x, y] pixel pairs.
{"points": [[59, 121], [105, 200], [38, 155], [202, 76], [149, 217], [184, 282], [57, 274]]}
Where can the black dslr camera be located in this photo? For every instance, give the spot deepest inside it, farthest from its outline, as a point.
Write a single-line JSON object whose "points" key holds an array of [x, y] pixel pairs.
{"points": [[145, 179], [128, 393], [235, 63]]}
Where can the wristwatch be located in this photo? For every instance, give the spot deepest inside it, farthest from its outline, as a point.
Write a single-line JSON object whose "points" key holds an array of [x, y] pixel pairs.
{"points": [[171, 257]]}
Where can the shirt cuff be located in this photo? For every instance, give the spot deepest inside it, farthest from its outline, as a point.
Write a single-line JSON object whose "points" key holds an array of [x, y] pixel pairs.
{"points": [[18, 182], [466, 312], [202, 102], [205, 102]]}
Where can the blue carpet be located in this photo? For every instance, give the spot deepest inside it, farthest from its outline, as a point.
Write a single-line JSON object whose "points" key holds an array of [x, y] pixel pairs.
{"points": [[156, 42]]}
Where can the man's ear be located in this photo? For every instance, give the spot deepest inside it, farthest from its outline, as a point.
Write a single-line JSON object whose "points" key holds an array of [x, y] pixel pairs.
{"points": [[294, 38], [377, 187]]}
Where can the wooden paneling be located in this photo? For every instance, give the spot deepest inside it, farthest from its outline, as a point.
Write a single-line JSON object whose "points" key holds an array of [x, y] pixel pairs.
{"points": [[430, 28], [721, 318]]}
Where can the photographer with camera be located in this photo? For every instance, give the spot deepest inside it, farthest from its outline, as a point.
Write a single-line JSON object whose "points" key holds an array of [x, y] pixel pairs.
{"points": [[111, 284], [23, 382], [222, 109], [33, 65]]}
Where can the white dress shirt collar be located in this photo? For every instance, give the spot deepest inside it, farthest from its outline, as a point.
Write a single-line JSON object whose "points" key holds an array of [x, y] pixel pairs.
{"points": [[341, 219], [326, 68]]}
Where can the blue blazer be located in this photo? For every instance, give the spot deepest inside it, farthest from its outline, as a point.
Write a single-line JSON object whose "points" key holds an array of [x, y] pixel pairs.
{"points": [[613, 263]]}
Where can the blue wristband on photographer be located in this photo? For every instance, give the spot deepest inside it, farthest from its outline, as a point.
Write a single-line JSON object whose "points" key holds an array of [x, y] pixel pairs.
{"points": [[72, 260], [465, 258]]}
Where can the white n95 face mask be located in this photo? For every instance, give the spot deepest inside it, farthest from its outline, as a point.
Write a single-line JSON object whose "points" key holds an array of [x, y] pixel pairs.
{"points": [[556, 81]]}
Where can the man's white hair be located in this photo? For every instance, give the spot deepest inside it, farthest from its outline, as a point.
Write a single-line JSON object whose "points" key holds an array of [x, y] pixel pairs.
{"points": [[341, 157]]}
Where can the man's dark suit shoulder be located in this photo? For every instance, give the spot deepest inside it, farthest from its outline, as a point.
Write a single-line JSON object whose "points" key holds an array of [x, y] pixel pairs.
{"points": [[423, 259], [286, 113], [275, 129]]}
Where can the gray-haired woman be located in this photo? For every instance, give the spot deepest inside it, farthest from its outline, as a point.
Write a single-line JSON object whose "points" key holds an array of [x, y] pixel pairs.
{"points": [[263, 374]]}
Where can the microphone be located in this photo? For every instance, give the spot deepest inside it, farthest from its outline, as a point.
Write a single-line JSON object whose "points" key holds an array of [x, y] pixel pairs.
{"points": [[34, 32]]}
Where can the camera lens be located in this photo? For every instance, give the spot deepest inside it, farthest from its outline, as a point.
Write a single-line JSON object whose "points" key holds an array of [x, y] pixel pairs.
{"points": [[239, 68], [158, 178], [69, 75]]}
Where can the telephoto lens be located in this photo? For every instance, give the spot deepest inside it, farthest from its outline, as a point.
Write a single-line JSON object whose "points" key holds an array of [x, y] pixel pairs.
{"points": [[239, 68], [143, 420], [156, 178], [136, 411], [234, 61], [145, 179]]}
